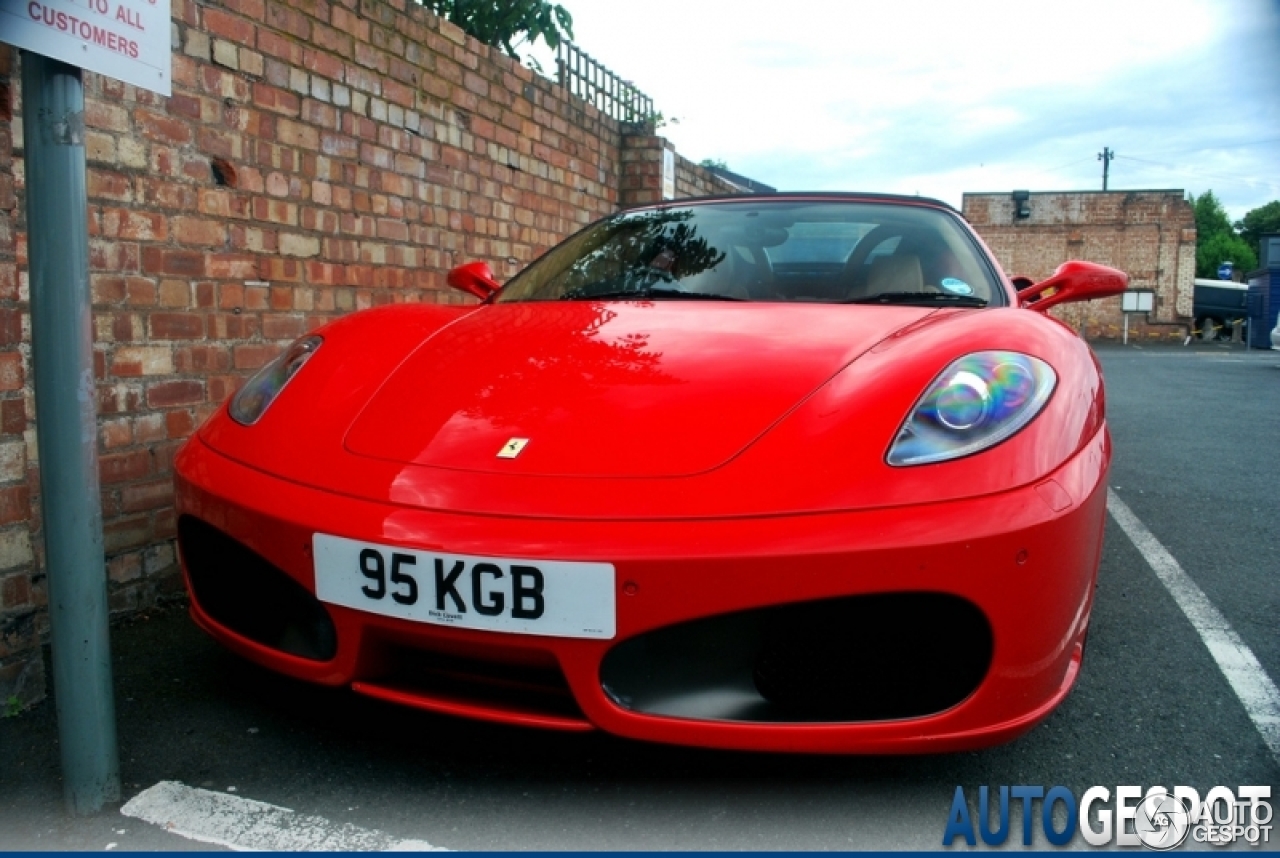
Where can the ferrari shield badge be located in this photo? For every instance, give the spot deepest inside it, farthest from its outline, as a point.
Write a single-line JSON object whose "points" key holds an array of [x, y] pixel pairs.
{"points": [[512, 448]]}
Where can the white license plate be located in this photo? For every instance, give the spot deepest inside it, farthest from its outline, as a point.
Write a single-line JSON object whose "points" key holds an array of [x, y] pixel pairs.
{"points": [[503, 594]]}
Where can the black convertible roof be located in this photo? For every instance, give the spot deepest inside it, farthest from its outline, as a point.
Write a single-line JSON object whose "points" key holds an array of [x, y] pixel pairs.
{"points": [[798, 196]]}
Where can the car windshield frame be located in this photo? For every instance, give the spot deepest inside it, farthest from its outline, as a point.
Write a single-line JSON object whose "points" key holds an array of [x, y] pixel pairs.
{"points": [[770, 249]]}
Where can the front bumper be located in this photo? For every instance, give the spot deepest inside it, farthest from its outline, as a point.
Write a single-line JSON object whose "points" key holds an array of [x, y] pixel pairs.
{"points": [[1025, 560]]}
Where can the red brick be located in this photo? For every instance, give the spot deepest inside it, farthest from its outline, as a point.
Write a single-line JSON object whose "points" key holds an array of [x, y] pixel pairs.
{"points": [[254, 356], [11, 373], [152, 494], [202, 359], [205, 295], [291, 21], [8, 282], [140, 292], [123, 467], [189, 230], [255, 9], [15, 592], [229, 326], [231, 27], [109, 186], [177, 326], [13, 417], [165, 394], [126, 533], [177, 263], [161, 128], [15, 504], [132, 225], [282, 327], [222, 386], [10, 327], [276, 100], [106, 117], [233, 266], [116, 433], [184, 105], [326, 65], [179, 424]]}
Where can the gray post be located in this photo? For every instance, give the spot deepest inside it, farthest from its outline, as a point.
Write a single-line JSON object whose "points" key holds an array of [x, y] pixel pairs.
{"points": [[67, 429]]}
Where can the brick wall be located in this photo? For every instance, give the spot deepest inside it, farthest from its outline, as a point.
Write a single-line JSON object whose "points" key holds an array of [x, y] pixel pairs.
{"points": [[1150, 235], [644, 158], [315, 157]]}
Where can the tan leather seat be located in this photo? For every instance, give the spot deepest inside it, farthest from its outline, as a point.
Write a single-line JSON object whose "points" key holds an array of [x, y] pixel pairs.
{"points": [[898, 273]]}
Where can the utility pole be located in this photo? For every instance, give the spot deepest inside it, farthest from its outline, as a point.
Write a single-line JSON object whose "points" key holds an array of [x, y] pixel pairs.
{"points": [[1105, 157], [67, 432]]}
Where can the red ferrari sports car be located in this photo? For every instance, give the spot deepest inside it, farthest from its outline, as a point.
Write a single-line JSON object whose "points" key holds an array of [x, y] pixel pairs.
{"points": [[788, 472]]}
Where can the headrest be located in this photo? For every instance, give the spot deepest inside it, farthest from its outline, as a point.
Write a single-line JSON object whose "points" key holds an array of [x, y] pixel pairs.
{"points": [[898, 273]]}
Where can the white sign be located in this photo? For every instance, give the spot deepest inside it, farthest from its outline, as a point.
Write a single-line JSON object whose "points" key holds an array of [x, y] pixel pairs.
{"points": [[1136, 302], [123, 39]]}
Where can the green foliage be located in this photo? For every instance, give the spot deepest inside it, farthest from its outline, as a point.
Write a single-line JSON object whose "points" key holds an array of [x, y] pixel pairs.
{"points": [[713, 163], [1258, 222], [1217, 241], [507, 23], [658, 120], [1223, 247], [1211, 217], [12, 707]]}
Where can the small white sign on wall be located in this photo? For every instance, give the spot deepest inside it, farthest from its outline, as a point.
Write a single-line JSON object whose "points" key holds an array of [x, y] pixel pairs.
{"points": [[123, 39], [668, 174], [1137, 302]]}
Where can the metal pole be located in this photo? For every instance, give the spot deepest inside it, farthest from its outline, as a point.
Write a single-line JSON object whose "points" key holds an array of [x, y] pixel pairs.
{"points": [[67, 429]]}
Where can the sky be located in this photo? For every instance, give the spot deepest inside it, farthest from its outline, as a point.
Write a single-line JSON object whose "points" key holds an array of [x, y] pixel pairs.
{"points": [[939, 98]]}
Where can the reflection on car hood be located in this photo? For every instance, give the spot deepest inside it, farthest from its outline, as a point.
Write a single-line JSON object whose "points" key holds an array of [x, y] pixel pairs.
{"points": [[610, 389]]}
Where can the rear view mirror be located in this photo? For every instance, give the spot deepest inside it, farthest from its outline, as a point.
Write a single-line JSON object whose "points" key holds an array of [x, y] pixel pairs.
{"points": [[1073, 281], [474, 278]]}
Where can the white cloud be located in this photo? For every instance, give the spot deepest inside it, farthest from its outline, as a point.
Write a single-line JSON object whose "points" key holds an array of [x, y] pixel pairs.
{"points": [[942, 97]]}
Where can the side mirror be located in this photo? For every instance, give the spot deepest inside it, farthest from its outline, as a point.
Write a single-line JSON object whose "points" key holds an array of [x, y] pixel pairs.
{"points": [[474, 278], [1073, 281]]}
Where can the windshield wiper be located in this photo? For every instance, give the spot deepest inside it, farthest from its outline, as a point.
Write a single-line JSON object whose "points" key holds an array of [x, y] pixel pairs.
{"points": [[924, 299], [645, 295]]}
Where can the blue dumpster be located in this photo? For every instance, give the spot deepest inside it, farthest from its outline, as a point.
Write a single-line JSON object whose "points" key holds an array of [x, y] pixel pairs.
{"points": [[1262, 317], [1263, 300]]}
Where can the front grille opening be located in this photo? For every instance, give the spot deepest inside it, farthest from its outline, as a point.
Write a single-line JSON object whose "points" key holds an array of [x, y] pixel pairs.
{"points": [[534, 688], [241, 590], [857, 658]]}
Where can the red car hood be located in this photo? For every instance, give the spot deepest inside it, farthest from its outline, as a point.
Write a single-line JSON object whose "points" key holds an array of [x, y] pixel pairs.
{"points": [[624, 389]]}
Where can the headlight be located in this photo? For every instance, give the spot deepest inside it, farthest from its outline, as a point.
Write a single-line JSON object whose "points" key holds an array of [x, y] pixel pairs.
{"points": [[977, 402], [252, 400]]}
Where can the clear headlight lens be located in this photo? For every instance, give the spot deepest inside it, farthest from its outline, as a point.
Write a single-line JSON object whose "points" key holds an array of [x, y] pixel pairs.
{"points": [[252, 400], [977, 402]]}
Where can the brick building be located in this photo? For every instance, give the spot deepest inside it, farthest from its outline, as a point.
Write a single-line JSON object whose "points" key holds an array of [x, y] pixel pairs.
{"points": [[315, 157], [1151, 235]]}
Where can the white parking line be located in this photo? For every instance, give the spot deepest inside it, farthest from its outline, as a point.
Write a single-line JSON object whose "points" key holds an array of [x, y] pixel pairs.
{"points": [[245, 825], [1237, 662]]}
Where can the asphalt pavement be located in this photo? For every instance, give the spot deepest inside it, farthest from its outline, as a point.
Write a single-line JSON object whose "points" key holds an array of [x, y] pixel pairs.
{"points": [[1197, 438]]}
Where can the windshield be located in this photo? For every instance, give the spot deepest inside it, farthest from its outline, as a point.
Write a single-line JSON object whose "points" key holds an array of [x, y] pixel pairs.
{"points": [[768, 250]]}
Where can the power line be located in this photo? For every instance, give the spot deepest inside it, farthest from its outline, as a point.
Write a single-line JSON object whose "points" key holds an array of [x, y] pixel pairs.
{"points": [[1196, 173], [1061, 166], [1208, 147]]}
